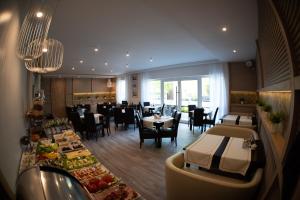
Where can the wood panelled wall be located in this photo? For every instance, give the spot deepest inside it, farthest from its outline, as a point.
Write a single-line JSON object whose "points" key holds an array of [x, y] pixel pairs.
{"points": [[278, 56]]}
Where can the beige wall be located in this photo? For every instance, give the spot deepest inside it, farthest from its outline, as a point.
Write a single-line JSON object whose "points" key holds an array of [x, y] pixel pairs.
{"points": [[59, 92], [13, 105], [242, 77]]}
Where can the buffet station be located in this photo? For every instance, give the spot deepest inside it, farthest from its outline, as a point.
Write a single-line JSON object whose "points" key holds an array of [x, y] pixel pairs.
{"points": [[59, 148]]}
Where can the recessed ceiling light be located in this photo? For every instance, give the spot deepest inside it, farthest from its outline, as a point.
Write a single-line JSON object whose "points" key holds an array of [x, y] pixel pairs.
{"points": [[234, 51], [39, 14], [127, 65], [151, 60], [106, 63], [127, 54], [224, 28], [44, 50], [81, 61], [96, 50], [73, 68], [93, 69]]}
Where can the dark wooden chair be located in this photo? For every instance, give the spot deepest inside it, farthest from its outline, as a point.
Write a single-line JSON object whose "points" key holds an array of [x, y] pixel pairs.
{"points": [[198, 120], [145, 133], [211, 122], [78, 124], [106, 124], [160, 111], [91, 127], [118, 117], [130, 117], [191, 108], [171, 132]]}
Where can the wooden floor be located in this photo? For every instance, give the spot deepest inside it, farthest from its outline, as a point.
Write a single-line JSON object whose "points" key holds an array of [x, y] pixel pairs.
{"points": [[143, 169]]}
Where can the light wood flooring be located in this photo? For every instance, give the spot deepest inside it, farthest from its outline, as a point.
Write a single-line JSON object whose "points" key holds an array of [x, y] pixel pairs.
{"points": [[143, 169]]}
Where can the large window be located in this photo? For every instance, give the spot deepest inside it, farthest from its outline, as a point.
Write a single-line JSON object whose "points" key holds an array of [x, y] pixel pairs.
{"points": [[121, 90], [170, 92], [155, 92], [205, 92], [189, 92]]}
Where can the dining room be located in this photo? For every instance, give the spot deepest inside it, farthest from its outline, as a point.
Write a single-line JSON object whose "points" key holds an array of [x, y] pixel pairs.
{"points": [[145, 99]]}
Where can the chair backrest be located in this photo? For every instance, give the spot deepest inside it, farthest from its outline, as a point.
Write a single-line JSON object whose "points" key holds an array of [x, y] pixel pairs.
{"points": [[139, 123], [191, 107], [147, 103], [215, 116], [198, 116], [174, 114], [125, 103], [129, 115], [162, 109], [76, 121], [118, 115], [89, 120]]}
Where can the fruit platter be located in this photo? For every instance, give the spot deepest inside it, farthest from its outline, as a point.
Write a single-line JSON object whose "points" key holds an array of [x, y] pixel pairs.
{"points": [[117, 192], [46, 150], [75, 163], [89, 172], [100, 183]]}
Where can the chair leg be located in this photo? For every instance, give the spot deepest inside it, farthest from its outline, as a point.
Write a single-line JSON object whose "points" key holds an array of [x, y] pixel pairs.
{"points": [[193, 129]]}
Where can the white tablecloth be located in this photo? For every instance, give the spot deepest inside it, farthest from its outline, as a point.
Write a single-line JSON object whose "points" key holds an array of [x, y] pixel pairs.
{"points": [[245, 121], [148, 121], [202, 150], [235, 158], [97, 118], [230, 119]]}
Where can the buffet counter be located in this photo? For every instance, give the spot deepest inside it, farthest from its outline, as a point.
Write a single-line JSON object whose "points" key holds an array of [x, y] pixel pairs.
{"points": [[63, 149]]}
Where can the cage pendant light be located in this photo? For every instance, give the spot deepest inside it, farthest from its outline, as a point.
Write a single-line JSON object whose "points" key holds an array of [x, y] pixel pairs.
{"points": [[35, 29], [51, 58]]}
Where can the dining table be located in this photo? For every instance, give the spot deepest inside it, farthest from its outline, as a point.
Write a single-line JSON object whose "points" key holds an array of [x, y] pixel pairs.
{"points": [[207, 112], [158, 122]]}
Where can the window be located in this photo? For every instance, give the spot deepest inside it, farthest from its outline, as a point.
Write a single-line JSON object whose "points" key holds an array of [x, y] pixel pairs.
{"points": [[170, 92], [121, 90], [155, 92], [205, 92]]}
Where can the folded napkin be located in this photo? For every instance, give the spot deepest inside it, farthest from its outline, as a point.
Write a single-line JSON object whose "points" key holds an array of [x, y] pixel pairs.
{"points": [[245, 121], [230, 119]]}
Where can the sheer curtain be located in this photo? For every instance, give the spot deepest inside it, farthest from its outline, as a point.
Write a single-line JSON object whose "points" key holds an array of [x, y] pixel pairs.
{"points": [[219, 88], [145, 87], [121, 89]]}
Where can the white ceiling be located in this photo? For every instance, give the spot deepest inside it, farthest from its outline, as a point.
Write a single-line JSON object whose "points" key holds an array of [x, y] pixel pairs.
{"points": [[169, 31]]}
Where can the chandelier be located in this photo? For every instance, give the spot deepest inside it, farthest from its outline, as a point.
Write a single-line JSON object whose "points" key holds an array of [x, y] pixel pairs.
{"points": [[34, 30], [51, 58]]}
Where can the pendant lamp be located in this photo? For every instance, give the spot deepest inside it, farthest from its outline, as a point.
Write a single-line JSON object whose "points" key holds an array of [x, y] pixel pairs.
{"points": [[34, 30], [109, 83], [51, 58]]}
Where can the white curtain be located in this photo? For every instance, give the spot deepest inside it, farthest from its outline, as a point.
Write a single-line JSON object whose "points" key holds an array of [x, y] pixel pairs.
{"points": [[145, 87], [219, 88], [120, 89]]}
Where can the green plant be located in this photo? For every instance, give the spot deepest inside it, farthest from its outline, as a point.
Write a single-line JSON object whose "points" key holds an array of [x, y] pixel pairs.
{"points": [[267, 108], [276, 117], [261, 103]]}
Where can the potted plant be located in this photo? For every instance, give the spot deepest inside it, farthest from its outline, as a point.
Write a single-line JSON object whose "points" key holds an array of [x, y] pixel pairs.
{"points": [[276, 118], [267, 108]]}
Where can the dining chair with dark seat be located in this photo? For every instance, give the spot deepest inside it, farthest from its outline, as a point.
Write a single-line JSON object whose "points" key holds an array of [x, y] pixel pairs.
{"points": [[78, 124], [197, 119], [91, 126], [130, 117], [145, 133], [118, 116], [191, 108], [106, 124], [172, 131], [212, 121]]}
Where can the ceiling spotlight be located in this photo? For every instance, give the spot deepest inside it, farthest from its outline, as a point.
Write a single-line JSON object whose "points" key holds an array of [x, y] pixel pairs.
{"points": [[224, 29], [106, 63], [93, 69], [96, 50], [127, 54], [44, 50], [127, 65], [81, 61], [73, 68], [234, 51], [151, 60], [39, 14]]}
